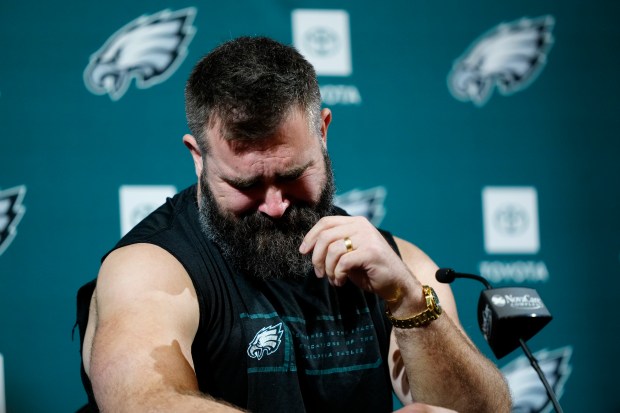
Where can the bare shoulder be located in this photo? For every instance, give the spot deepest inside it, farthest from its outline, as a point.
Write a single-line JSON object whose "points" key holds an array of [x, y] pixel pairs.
{"points": [[145, 282], [140, 270]]}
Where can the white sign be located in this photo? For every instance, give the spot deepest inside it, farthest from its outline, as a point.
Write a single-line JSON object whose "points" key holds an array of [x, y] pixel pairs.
{"points": [[323, 37], [510, 217], [137, 201]]}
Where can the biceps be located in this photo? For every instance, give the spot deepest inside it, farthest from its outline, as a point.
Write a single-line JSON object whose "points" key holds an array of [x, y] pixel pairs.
{"points": [[141, 349]]}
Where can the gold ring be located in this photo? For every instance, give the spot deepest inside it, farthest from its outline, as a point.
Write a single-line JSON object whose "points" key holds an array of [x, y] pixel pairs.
{"points": [[348, 244]]}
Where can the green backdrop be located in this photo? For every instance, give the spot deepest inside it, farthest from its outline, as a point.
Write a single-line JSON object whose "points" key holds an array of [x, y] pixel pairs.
{"points": [[535, 129]]}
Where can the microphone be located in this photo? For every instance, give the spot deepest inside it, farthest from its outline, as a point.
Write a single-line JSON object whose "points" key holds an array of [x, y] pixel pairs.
{"points": [[505, 315], [508, 317], [447, 275]]}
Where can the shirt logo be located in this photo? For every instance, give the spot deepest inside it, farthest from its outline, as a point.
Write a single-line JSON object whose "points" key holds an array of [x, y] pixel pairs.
{"points": [[266, 341], [509, 56], [148, 49], [11, 212]]}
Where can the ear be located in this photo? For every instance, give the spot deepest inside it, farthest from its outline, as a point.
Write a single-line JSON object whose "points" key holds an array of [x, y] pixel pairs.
{"points": [[326, 118], [194, 150]]}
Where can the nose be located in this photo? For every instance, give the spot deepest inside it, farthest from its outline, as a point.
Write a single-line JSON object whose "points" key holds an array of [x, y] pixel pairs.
{"points": [[274, 203]]}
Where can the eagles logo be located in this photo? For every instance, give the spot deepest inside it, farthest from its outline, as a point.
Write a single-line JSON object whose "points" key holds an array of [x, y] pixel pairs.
{"points": [[11, 212], [368, 203], [266, 341], [510, 56], [528, 393], [149, 49]]}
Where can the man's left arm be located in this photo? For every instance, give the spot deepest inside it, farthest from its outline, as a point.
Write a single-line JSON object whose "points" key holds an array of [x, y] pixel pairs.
{"points": [[443, 367], [438, 364]]}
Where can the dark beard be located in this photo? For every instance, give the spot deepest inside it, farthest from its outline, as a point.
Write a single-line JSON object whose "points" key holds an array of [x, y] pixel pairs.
{"points": [[261, 246]]}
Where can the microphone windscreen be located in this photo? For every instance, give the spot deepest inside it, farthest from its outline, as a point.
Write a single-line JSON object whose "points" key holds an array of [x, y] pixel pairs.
{"points": [[445, 275], [506, 315]]}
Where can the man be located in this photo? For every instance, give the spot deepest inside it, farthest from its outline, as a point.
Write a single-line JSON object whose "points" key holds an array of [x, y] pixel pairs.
{"points": [[251, 291]]}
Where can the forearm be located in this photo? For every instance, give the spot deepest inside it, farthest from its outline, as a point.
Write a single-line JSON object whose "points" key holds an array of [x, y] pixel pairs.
{"points": [[444, 368], [131, 381], [155, 401], [120, 389]]}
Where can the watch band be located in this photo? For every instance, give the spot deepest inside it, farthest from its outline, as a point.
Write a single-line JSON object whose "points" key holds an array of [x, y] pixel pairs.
{"points": [[432, 312]]}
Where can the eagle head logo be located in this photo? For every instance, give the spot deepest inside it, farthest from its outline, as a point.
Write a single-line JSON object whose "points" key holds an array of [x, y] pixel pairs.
{"points": [[266, 341], [11, 212], [148, 49], [510, 56], [367, 203], [528, 392]]}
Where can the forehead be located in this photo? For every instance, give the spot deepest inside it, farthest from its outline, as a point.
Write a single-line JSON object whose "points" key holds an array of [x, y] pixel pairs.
{"points": [[290, 145]]}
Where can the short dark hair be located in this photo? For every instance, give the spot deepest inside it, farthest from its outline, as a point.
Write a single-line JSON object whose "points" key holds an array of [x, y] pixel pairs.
{"points": [[250, 84]]}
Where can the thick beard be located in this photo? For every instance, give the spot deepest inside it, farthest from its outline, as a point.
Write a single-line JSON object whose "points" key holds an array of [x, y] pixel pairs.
{"points": [[261, 246]]}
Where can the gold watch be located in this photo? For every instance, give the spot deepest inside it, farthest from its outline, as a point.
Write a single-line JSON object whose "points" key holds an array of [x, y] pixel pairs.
{"points": [[432, 312]]}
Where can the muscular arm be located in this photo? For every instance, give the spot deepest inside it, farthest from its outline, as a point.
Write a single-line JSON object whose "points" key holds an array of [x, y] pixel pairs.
{"points": [[137, 349], [438, 364], [443, 367]]}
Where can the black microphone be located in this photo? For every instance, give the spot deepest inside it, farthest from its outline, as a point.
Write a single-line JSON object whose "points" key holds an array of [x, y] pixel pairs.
{"points": [[505, 315], [508, 317], [447, 275]]}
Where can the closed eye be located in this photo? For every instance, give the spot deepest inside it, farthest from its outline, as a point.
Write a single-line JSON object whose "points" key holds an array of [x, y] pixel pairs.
{"points": [[243, 184], [291, 176]]}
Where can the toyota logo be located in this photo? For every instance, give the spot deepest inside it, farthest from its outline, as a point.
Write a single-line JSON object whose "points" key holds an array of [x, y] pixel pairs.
{"points": [[322, 41], [511, 219]]}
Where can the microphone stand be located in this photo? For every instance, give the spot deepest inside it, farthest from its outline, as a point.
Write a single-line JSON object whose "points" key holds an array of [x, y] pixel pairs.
{"points": [[534, 363]]}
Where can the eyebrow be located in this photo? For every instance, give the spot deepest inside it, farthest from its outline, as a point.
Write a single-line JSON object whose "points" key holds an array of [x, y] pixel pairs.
{"points": [[289, 175]]}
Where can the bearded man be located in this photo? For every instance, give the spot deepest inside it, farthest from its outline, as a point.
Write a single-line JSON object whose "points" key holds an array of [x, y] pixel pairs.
{"points": [[251, 291]]}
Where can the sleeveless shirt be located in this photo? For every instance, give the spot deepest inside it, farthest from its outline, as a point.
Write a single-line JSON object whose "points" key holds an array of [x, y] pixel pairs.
{"points": [[276, 345]]}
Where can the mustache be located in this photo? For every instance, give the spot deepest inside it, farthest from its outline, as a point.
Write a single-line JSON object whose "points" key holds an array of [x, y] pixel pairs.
{"points": [[291, 221]]}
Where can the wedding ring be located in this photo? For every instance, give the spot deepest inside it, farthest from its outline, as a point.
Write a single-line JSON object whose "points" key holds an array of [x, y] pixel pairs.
{"points": [[348, 244]]}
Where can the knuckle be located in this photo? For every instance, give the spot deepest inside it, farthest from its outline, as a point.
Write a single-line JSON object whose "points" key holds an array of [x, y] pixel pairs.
{"points": [[334, 248], [344, 264], [360, 220], [317, 260]]}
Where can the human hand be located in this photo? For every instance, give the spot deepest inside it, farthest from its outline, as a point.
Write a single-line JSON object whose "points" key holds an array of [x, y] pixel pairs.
{"points": [[423, 408], [369, 262]]}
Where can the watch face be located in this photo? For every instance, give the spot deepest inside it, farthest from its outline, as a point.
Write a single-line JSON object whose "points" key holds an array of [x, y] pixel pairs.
{"points": [[437, 304]]}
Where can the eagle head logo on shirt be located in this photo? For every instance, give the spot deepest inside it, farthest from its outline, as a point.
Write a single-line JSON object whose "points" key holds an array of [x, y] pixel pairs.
{"points": [[510, 56], [11, 212], [148, 49], [266, 341]]}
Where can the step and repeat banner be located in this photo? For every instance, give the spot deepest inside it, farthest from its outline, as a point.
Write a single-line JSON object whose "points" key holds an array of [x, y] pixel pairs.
{"points": [[484, 132]]}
